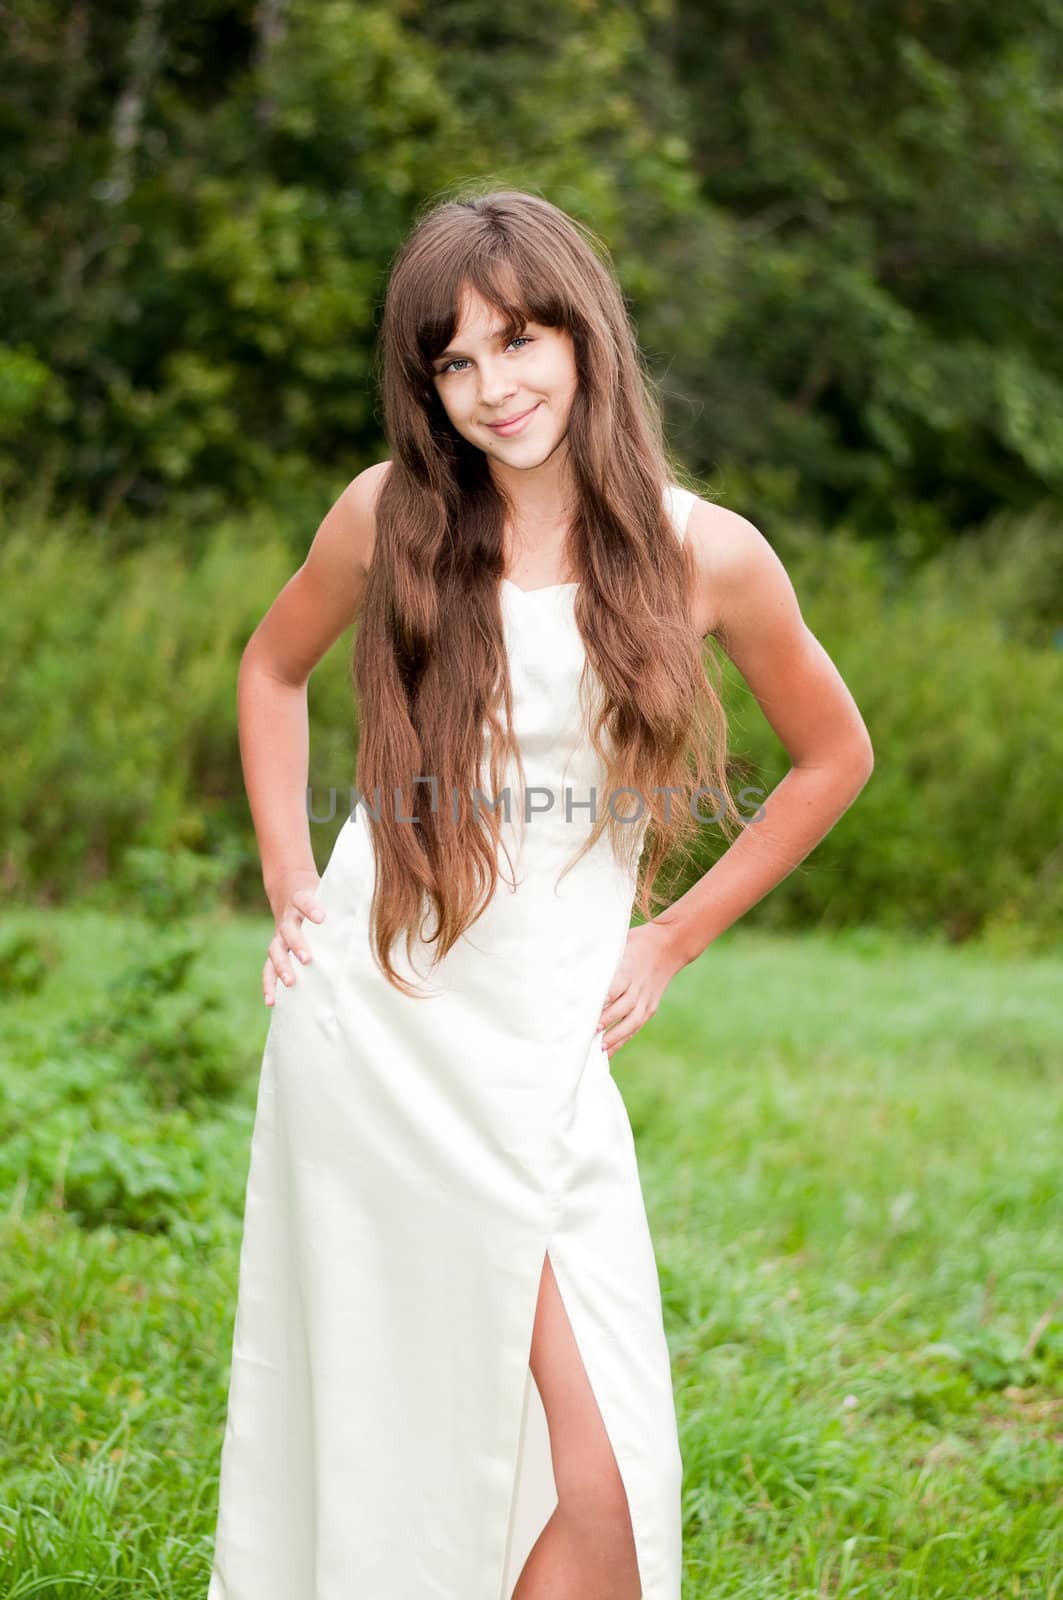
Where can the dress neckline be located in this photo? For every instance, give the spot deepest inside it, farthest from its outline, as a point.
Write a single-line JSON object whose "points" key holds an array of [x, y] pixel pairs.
{"points": [[544, 588], [671, 492]]}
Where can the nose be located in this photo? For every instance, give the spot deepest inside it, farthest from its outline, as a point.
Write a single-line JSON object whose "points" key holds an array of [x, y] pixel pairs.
{"points": [[496, 384]]}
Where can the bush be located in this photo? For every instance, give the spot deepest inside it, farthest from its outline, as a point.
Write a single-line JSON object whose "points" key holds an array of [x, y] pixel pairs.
{"points": [[958, 672], [159, 1027], [120, 719], [134, 790]]}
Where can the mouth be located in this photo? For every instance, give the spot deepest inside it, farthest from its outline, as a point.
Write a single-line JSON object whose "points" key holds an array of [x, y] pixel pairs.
{"points": [[514, 424]]}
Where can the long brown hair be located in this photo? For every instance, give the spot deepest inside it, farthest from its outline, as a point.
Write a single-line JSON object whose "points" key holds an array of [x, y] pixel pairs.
{"points": [[430, 663]]}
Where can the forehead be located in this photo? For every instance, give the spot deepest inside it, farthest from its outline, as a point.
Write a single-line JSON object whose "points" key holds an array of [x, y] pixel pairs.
{"points": [[477, 315], [478, 307], [478, 320]]}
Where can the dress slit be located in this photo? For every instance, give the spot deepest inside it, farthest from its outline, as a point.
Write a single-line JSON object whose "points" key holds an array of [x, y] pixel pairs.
{"points": [[608, 1401], [533, 1492], [534, 1495]]}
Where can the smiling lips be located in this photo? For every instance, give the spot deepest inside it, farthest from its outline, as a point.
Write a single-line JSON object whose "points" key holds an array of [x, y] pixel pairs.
{"points": [[515, 424]]}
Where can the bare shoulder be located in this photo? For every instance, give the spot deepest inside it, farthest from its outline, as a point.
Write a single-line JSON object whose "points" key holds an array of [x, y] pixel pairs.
{"points": [[324, 596], [748, 603], [344, 542], [738, 571]]}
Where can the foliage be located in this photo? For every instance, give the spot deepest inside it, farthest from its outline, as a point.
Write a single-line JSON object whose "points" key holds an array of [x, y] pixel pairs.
{"points": [[134, 793], [24, 962], [837, 233], [106, 1081], [156, 1025], [893, 179], [148, 758], [955, 665]]}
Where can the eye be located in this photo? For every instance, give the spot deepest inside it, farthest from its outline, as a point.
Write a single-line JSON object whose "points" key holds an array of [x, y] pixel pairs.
{"points": [[521, 338]]}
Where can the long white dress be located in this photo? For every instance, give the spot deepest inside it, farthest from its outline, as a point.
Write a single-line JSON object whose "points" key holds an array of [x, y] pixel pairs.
{"points": [[412, 1162]]}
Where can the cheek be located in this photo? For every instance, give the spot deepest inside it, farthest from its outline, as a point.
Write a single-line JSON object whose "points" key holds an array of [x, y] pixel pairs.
{"points": [[565, 392], [452, 403], [567, 377]]}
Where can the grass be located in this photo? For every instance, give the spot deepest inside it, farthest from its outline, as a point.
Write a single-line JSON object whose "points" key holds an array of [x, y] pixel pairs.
{"points": [[851, 1154]]}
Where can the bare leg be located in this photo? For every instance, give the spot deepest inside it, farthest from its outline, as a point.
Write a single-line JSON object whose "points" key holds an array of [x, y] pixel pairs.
{"points": [[587, 1549]]}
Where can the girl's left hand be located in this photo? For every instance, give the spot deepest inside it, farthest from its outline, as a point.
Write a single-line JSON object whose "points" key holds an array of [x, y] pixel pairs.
{"points": [[646, 968]]}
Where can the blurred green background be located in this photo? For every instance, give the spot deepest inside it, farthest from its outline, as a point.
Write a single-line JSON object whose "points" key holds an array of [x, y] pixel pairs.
{"points": [[838, 229], [839, 234]]}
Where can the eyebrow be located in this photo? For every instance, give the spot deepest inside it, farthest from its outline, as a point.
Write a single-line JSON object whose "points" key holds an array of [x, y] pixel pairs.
{"points": [[448, 355]]}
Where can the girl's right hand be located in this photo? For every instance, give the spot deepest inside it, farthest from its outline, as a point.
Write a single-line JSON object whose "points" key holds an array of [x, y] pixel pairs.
{"points": [[296, 905]]}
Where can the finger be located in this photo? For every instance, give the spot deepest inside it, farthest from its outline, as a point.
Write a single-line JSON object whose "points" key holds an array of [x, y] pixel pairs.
{"points": [[291, 931], [280, 956], [618, 1043], [624, 1028], [269, 982], [305, 901], [614, 1008], [611, 1031]]}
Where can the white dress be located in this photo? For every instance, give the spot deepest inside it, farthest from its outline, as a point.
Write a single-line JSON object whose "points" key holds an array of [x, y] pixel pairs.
{"points": [[412, 1162]]}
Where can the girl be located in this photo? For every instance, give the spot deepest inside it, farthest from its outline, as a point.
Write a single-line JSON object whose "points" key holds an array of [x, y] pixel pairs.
{"points": [[450, 1377]]}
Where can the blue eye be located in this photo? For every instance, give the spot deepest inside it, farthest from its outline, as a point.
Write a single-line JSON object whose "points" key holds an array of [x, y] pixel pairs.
{"points": [[521, 338]]}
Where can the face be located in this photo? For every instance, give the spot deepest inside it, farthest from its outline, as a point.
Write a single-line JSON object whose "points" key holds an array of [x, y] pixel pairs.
{"points": [[481, 380]]}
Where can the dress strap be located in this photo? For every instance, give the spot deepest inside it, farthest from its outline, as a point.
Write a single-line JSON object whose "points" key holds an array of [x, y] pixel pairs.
{"points": [[679, 503]]}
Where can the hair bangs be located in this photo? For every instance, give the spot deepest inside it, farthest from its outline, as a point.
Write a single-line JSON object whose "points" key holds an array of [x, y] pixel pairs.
{"points": [[521, 291]]}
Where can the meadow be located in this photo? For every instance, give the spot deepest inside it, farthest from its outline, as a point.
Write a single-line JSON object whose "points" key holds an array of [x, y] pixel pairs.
{"points": [[850, 1146]]}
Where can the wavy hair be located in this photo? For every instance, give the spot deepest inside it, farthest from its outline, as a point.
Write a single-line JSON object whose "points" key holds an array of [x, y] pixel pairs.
{"points": [[430, 665]]}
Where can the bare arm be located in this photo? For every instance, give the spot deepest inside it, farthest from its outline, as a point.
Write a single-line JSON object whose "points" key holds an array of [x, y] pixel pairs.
{"points": [[316, 605], [747, 601]]}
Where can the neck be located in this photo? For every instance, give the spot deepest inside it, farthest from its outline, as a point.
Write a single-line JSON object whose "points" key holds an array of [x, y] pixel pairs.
{"points": [[540, 502]]}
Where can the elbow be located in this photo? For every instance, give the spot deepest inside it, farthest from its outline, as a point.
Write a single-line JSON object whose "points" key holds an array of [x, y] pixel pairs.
{"points": [[850, 760], [252, 651], [247, 669], [862, 764], [260, 661]]}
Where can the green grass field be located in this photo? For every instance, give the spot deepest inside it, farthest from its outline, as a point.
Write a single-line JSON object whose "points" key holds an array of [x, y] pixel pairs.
{"points": [[851, 1150]]}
